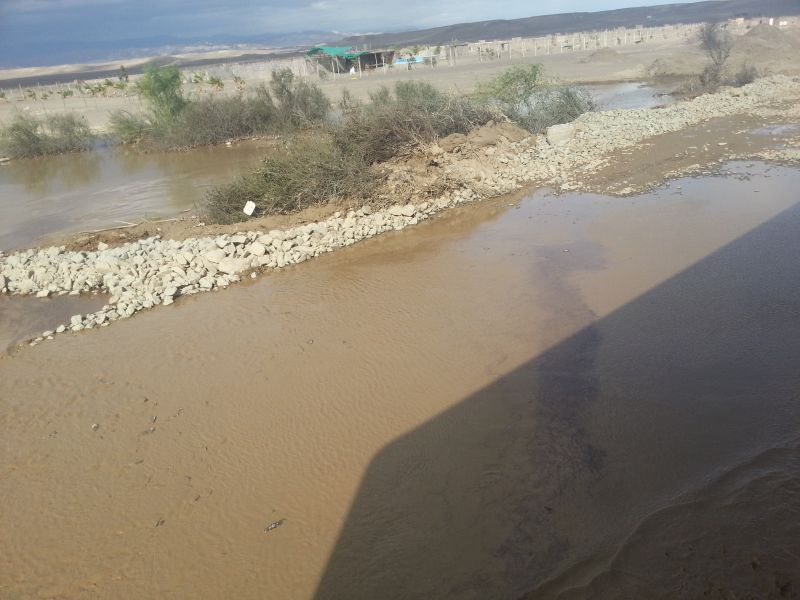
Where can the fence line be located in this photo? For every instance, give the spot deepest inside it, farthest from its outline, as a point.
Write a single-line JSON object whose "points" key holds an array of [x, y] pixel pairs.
{"points": [[522, 48]]}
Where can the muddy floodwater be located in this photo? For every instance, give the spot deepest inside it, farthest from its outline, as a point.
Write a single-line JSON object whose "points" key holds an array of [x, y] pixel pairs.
{"points": [[566, 396], [633, 94], [77, 192]]}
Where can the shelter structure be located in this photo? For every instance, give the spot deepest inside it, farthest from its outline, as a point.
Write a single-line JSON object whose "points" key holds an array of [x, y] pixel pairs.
{"points": [[343, 59]]}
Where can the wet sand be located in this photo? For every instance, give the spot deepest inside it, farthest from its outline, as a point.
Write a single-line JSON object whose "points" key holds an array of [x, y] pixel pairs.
{"points": [[491, 402]]}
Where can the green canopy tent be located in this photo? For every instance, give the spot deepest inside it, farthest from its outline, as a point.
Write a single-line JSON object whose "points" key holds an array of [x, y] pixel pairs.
{"points": [[337, 59]]}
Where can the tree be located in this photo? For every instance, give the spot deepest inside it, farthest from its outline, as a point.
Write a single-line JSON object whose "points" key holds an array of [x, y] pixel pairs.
{"points": [[162, 89], [717, 43], [516, 88]]}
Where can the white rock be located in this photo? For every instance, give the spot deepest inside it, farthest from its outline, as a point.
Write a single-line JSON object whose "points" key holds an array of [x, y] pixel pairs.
{"points": [[75, 320], [102, 246], [215, 256], [558, 135], [231, 265], [257, 249], [408, 210]]}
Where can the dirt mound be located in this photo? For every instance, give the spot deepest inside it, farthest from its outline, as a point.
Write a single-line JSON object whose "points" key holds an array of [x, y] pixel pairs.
{"points": [[766, 40], [769, 48], [604, 55], [770, 35], [492, 134], [487, 135]]}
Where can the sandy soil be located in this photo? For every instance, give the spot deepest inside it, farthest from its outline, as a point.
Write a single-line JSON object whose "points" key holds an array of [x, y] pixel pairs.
{"points": [[672, 59]]}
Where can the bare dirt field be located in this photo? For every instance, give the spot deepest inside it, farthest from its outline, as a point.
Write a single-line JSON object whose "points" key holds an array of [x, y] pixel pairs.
{"points": [[772, 50]]}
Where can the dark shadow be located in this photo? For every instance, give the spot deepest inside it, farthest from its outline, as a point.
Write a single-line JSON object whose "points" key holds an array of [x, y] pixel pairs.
{"points": [[555, 463]]}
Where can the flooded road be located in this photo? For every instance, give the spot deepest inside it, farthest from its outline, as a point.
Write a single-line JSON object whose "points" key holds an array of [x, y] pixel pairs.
{"points": [[505, 400], [91, 190]]}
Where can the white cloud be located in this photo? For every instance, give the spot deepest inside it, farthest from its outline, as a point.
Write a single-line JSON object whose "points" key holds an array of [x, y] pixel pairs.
{"points": [[25, 6]]}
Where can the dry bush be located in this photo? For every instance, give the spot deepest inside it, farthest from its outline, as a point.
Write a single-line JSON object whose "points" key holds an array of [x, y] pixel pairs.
{"points": [[717, 43], [414, 114], [28, 136], [306, 170], [747, 73]]}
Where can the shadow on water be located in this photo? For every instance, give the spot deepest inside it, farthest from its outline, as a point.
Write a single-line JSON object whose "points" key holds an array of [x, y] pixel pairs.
{"points": [[548, 470]]}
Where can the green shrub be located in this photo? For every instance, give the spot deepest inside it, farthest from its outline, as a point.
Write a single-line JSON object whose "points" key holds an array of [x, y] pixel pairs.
{"points": [[27, 136], [129, 128], [556, 105], [214, 120], [175, 123], [161, 87], [524, 95], [515, 89], [299, 104]]}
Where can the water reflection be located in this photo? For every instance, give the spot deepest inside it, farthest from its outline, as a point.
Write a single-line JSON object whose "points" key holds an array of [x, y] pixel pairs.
{"points": [[40, 176], [615, 96], [83, 191]]}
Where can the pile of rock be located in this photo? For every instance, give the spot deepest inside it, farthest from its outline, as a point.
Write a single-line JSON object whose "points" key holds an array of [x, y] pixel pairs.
{"points": [[153, 271], [566, 152]]}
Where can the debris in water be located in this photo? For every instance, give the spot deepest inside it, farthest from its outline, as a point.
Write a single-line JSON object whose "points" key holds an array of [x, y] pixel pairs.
{"points": [[274, 525], [95, 426]]}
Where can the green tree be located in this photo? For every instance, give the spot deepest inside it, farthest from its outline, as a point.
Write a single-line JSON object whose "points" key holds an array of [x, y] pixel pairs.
{"points": [[516, 88], [162, 89]]}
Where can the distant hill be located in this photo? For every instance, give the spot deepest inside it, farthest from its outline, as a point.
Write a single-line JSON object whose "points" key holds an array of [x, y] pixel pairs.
{"points": [[665, 14]]}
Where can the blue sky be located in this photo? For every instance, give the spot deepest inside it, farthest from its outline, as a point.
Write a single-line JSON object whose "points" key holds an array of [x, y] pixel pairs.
{"points": [[44, 20]]}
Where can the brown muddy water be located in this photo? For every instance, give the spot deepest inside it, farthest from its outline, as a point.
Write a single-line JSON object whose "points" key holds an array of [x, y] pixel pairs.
{"points": [[23, 317], [578, 395], [630, 94], [91, 190]]}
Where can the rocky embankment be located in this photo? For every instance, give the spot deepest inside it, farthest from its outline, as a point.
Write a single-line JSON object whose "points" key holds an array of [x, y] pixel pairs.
{"points": [[570, 154], [489, 162]]}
